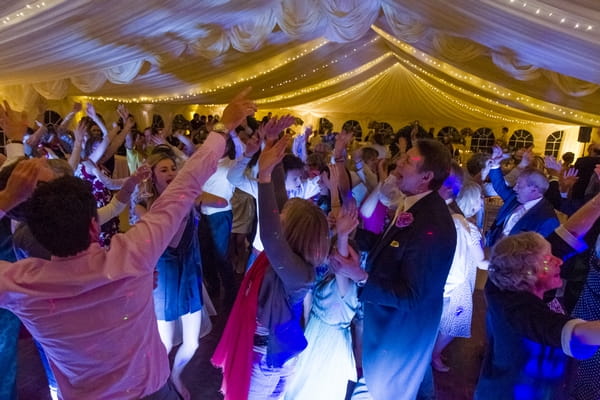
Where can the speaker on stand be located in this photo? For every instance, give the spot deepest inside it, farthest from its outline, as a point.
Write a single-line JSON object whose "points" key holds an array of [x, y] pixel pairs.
{"points": [[585, 136]]}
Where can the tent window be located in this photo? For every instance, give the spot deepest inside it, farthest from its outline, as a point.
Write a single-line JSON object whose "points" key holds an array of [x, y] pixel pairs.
{"points": [[553, 142], [353, 126], [482, 140], [519, 139]]}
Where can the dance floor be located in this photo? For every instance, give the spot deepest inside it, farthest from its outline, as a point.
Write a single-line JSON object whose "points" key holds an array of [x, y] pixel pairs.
{"points": [[463, 356]]}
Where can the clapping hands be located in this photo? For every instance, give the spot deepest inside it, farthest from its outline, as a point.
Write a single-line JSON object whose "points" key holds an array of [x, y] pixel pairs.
{"points": [[271, 155], [269, 132]]}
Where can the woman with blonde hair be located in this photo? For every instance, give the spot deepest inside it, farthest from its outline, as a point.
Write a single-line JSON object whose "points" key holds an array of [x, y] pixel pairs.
{"points": [[178, 294], [264, 333]]}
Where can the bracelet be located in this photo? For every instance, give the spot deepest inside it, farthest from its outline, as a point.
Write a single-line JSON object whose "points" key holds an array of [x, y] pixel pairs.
{"points": [[363, 281]]}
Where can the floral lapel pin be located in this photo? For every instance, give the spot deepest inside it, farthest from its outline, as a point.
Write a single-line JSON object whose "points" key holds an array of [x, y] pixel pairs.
{"points": [[404, 219]]}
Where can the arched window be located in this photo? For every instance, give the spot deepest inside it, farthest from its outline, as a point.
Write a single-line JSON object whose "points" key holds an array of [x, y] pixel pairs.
{"points": [[325, 126], [519, 139], [553, 142], [482, 140], [353, 126]]}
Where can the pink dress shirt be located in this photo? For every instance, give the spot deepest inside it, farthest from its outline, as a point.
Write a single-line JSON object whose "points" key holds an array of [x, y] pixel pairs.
{"points": [[93, 312]]}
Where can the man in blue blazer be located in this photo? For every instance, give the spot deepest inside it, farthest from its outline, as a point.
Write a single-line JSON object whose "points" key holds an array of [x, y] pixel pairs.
{"points": [[407, 267], [525, 208]]}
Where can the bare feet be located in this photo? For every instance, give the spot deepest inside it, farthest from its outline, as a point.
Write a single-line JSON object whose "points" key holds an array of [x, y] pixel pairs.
{"points": [[439, 365]]}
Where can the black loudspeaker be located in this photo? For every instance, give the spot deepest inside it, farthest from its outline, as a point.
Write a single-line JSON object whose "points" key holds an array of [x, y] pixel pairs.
{"points": [[585, 134]]}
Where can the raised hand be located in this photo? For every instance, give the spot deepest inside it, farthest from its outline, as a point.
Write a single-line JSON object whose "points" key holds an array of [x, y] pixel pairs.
{"points": [[346, 220], [77, 107], [91, 111], [567, 180], [271, 155], [552, 164], [22, 182], [80, 131], [122, 111], [13, 123], [270, 131], [129, 123], [527, 158], [238, 109], [341, 142]]}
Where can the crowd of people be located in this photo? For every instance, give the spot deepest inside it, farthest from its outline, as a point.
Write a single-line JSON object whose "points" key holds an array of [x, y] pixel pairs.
{"points": [[345, 267]]}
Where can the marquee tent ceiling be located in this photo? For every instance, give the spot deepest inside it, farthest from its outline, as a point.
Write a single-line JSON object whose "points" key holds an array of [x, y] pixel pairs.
{"points": [[468, 60]]}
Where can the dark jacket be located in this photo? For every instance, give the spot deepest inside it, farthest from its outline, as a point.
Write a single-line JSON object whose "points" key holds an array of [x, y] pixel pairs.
{"points": [[541, 218], [402, 299]]}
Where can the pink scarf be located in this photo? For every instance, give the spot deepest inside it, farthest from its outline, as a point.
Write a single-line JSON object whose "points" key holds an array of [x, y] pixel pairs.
{"points": [[234, 351]]}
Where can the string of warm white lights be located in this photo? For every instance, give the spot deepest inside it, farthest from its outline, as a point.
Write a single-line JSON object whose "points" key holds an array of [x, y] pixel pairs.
{"points": [[549, 13], [351, 89], [28, 11], [487, 113], [214, 88], [484, 85], [324, 65], [328, 82], [465, 92]]}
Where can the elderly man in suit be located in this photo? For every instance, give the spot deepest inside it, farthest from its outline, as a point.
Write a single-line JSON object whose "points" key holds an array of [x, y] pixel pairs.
{"points": [[407, 267], [525, 208]]}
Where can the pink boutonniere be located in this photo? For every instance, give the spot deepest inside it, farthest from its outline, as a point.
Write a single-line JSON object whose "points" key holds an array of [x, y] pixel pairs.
{"points": [[404, 219]]}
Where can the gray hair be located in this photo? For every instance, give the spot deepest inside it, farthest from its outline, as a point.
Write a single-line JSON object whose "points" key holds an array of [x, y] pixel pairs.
{"points": [[514, 261]]}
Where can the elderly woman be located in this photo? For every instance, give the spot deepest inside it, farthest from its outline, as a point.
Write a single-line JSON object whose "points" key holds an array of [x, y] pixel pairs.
{"points": [[527, 338]]}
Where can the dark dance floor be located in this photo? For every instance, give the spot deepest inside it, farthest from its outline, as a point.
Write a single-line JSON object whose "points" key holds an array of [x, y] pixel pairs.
{"points": [[463, 356]]}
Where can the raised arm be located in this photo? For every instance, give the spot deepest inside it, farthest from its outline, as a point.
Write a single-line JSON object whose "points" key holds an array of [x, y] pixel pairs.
{"points": [[75, 156], [121, 199], [99, 152], [289, 266], [64, 125], [111, 184], [496, 176], [120, 136], [150, 236], [22, 183], [345, 262]]}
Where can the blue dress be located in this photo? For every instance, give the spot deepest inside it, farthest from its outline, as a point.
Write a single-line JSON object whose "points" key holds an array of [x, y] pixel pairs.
{"points": [[179, 289], [327, 364]]}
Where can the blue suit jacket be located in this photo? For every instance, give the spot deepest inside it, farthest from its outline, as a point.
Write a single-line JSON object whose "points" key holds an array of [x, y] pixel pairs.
{"points": [[402, 299], [541, 218]]}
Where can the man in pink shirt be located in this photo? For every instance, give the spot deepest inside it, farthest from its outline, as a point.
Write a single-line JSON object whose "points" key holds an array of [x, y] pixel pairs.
{"points": [[91, 308]]}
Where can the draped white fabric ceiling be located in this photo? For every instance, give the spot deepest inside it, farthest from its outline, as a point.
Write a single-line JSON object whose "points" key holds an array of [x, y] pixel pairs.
{"points": [[508, 61]]}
